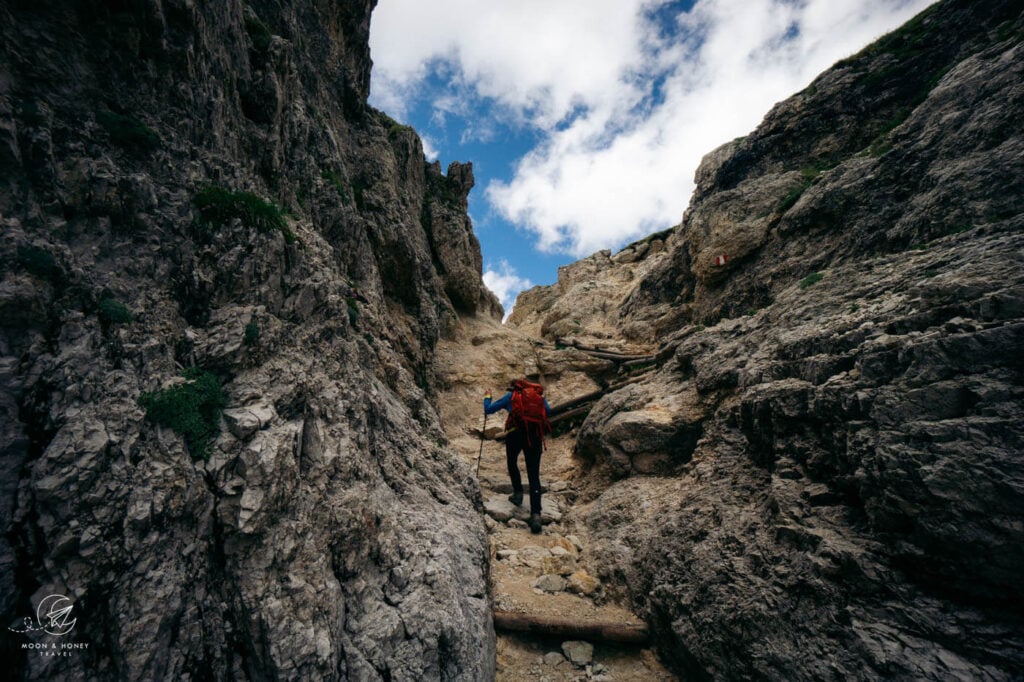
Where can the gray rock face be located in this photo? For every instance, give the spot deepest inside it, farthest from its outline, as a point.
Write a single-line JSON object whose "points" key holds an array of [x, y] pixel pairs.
{"points": [[452, 239], [823, 479], [584, 303], [328, 533], [897, 146]]}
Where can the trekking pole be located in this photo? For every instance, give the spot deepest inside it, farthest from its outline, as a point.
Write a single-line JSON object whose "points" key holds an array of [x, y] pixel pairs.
{"points": [[481, 454]]}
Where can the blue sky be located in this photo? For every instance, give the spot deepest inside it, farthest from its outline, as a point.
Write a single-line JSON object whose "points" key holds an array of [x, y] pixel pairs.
{"points": [[586, 119]]}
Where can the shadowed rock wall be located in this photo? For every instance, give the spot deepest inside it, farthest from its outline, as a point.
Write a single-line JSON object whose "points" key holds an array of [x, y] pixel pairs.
{"points": [[327, 532]]}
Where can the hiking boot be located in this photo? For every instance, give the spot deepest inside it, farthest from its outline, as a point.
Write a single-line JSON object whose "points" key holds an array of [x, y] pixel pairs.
{"points": [[516, 499], [534, 523]]}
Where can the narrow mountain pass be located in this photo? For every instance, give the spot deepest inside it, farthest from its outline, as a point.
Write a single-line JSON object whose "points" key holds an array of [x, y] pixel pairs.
{"points": [[554, 618]]}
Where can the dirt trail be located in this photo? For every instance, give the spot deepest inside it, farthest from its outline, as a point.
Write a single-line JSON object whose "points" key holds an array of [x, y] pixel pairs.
{"points": [[549, 574]]}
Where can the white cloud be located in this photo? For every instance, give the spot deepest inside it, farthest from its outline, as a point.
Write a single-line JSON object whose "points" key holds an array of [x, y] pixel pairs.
{"points": [[613, 162], [429, 148], [506, 284], [535, 57]]}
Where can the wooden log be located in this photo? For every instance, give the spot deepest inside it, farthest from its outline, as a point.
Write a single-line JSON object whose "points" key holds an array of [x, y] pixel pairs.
{"points": [[570, 414], [493, 433], [601, 352], [601, 632], [569, 404], [614, 357], [640, 361], [559, 409]]}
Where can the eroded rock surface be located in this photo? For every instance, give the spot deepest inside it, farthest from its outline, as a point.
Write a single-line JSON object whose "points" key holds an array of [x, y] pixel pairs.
{"points": [[823, 478], [328, 532]]}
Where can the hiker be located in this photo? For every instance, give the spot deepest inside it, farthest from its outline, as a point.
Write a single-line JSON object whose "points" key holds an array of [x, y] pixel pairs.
{"points": [[527, 421]]}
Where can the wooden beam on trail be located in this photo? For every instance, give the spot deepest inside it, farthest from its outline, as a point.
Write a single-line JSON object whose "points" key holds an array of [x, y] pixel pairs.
{"points": [[601, 632], [557, 410], [575, 402], [615, 356], [584, 409]]}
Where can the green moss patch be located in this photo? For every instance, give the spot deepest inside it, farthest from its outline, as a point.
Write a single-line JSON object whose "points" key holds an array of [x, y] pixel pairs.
{"points": [[191, 409]]}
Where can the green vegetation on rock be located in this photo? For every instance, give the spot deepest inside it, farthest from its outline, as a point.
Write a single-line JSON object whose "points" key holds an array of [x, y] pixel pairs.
{"points": [[219, 206], [911, 39], [353, 311], [258, 33], [113, 311], [809, 175], [398, 129], [339, 184], [191, 409], [811, 280], [787, 202], [128, 132], [252, 333], [39, 262]]}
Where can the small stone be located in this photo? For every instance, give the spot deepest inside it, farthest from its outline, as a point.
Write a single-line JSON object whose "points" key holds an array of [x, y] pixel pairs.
{"points": [[549, 583], [553, 658], [564, 543], [562, 564], [558, 486], [516, 523], [533, 556], [548, 515], [819, 494], [583, 583], [500, 508], [399, 578], [507, 554], [575, 542], [580, 653], [242, 422]]}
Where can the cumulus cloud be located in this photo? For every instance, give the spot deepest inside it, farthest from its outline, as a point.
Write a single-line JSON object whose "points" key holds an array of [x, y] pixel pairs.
{"points": [[429, 148], [506, 284], [537, 58], [627, 95]]}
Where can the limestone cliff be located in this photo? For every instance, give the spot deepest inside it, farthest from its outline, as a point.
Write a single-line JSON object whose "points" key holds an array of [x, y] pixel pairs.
{"points": [[202, 185], [837, 412], [585, 303]]}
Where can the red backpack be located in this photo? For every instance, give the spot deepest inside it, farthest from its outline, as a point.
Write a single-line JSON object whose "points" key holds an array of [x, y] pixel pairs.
{"points": [[528, 408]]}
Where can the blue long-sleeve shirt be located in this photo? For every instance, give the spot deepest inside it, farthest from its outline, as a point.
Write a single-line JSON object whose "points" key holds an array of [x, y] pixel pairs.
{"points": [[505, 403]]}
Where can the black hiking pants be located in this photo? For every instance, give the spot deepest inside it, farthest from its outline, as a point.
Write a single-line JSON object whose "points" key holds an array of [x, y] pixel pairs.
{"points": [[517, 442]]}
